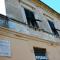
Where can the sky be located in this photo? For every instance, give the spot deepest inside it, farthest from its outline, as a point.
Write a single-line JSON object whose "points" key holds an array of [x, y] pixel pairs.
{"points": [[54, 4], [2, 7]]}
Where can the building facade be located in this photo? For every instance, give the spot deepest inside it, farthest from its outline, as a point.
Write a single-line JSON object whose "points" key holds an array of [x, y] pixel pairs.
{"points": [[30, 30]]}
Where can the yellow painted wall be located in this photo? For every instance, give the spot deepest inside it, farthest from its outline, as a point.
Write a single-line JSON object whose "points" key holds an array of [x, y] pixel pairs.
{"points": [[46, 8], [22, 46]]}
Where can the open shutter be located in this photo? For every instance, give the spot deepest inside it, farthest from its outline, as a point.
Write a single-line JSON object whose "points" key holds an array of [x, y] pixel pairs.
{"points": [[16, 12], [53, 28], [43, 23], [57, 25], [39, 19]]}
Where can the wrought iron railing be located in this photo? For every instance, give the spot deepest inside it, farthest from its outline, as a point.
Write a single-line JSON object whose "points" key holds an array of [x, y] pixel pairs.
{"points": [[9, 22]]}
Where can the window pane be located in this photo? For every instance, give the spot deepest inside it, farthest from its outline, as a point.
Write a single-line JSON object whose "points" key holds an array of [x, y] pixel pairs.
{"points": [[40, 54], [30, 18], [53, 28]]}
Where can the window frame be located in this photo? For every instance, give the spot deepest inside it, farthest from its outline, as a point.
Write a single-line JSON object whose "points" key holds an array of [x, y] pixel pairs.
{"points": [[54, 30], [38, 55], [35, 21]]}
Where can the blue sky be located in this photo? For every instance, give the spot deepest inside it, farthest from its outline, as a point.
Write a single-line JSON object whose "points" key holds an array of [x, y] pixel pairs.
{"points": [[55, 4]]}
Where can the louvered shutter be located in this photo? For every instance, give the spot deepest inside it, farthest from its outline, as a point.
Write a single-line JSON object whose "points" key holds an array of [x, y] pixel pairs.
{"points": [[38, 17], [44, 23], [15, 12]]}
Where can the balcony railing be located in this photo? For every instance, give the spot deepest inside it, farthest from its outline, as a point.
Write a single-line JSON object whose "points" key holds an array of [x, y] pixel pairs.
{"points": [[11, 23], [18, 26]]}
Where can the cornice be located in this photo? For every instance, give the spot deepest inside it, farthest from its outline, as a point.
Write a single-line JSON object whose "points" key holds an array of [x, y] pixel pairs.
{"points": [[20, 36]]}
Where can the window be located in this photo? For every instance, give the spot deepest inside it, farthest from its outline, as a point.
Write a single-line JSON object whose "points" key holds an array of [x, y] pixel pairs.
{"points": [[3, 21], [53, 28], [31, 19], [40, 54]]}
